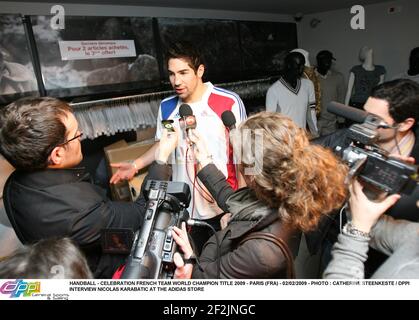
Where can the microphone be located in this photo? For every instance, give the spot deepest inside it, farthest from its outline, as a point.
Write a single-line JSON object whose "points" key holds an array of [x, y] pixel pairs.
{"points": [[185, 112], [187, 120], [347, 112], [229, 120], [357, 115]]}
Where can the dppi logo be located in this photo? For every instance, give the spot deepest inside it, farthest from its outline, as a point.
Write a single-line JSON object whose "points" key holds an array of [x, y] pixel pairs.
{"points": [[18, 287]]}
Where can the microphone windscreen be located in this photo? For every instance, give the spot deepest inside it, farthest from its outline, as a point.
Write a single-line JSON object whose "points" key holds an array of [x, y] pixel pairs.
{"points": [[347, 112], [228, 119], [185, 110]]}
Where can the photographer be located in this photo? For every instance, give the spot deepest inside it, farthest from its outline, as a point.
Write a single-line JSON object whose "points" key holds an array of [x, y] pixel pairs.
{"points": [[292, 186], [397, 103], [397, 238], [48, 195]]}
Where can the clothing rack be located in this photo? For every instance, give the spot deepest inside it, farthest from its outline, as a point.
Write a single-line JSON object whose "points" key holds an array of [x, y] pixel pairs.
{"points": [[112, 115], [249, 89], [144, 96]]}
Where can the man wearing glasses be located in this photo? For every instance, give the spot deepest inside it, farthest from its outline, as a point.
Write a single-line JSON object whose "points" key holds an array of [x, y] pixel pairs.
{"points": [[397, 103], [48, 196]]}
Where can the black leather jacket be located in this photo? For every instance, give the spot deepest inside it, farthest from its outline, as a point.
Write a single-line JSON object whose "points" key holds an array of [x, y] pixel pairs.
{"points": [[55, 203]]}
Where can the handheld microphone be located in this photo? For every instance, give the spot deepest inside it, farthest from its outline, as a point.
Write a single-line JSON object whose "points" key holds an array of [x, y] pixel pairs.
{"points": [[229, 120], [185, 112], [187, 120]]}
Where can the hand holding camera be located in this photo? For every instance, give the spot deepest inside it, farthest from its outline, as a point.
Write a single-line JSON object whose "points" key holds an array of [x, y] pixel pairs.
{"points": [[364, 212], [369, 162]]}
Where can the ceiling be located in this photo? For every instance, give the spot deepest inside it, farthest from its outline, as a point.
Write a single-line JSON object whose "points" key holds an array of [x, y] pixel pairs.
{"points": [[264, 6]]}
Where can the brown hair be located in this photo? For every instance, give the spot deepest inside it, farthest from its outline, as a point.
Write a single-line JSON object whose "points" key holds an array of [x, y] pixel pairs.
{"points": [[46, 259], [187, 51], [29, 130], [303, 181]]}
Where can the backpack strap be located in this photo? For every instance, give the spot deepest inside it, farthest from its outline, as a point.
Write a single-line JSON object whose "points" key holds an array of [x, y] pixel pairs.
{"points": [[280, 243]]}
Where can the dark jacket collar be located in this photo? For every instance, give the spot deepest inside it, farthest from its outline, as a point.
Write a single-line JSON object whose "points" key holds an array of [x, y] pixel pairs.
{"points": [[248, 213], [50, 177], [243, 205]]}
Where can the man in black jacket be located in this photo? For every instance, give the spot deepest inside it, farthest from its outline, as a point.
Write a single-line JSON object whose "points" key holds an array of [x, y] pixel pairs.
{"points": [[397, 103], [48, 196]]}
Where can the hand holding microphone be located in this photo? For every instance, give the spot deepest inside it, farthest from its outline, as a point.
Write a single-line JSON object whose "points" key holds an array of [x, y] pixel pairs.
{"points": [[202, 154], [168, 143], [187, 120]]}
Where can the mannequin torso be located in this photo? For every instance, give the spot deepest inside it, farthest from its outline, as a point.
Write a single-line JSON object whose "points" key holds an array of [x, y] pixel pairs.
{"points": [[363, 78]]}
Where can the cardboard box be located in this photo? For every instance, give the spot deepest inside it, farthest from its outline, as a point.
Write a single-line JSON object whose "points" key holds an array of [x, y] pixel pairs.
{"points": [[121, 151], [135, 185], [146, 133]]}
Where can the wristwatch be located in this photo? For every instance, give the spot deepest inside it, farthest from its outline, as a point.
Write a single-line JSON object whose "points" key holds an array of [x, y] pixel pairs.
{"points": [[349, 229], [192, 259]]}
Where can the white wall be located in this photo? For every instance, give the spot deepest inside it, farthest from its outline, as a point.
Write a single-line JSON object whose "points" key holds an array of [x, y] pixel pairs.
{"points": [[137, 11], [392, 36]]}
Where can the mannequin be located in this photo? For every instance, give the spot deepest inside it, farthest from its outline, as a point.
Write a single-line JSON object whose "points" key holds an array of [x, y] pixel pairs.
{"points": [[293, 95], [414, 62], [363, 78], [332, 86], [311, 75], [413, 72], [305, 54], [294, 68]]}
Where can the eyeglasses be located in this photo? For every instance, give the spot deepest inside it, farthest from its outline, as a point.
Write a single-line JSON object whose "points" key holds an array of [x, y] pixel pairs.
{"points": [[385, 125], [74, 138]]}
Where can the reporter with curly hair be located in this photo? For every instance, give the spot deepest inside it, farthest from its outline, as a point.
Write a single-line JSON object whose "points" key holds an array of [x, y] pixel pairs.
{"points": [[290, 186]]}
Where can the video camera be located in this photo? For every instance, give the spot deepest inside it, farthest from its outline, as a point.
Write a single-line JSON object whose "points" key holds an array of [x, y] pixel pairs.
{"points": [[152, 254], [366, 160]]}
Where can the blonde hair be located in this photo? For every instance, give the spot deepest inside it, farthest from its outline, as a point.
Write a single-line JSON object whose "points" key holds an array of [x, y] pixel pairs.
{"points": [[303, 181]]}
